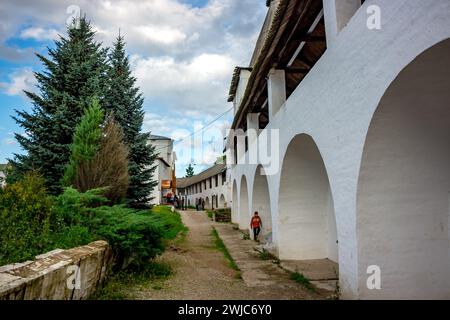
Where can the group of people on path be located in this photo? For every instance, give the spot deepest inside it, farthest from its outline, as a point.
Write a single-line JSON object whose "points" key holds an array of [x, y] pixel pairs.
{"points": [[179, 203], [200, 204]]}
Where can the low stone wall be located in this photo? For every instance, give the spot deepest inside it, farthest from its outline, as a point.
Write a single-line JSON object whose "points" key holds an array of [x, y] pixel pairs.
{"points": [[222, 215], [72, 274]]}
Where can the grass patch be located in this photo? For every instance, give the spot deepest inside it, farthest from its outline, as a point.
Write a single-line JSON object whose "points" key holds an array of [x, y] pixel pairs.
{"points": [[210, 214], [265, 255], [118, 285], [172, 221], [222, 248], [301, 279]]}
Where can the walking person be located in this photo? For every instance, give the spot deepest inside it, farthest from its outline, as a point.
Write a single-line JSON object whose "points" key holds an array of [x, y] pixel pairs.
{"points": [[196, 204], [203, 204], [176, 203], [256, 225]]}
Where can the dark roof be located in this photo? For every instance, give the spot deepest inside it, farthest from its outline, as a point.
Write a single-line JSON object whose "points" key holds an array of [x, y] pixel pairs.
{"points": [[210, 172], [156, 137], [235, 82], [288, 28]]}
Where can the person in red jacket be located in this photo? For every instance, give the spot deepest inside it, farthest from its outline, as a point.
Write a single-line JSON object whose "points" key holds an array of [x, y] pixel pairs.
{"points": [[256, 225]]}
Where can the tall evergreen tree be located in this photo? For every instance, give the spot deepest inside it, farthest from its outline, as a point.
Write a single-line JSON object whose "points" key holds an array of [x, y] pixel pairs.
{"points": [[99, 158], [125, 101], [75, 72], [189, 171]]}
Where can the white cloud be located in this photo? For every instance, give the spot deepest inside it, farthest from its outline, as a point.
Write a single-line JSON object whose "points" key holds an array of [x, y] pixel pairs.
{"points": [[160, 34], [9, 141], [39, 34], [163, 125], [22, 79], [198, 86]]}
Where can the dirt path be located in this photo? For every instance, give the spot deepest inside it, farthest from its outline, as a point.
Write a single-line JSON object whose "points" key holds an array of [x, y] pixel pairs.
{"points": [[201, 272]]}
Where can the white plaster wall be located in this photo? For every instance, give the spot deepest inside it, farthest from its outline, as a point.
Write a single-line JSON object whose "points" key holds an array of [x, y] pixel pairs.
{"points": [[235, 204], [336, 101], [261, 203], [244, 210], [404, 183], [304, 205]]}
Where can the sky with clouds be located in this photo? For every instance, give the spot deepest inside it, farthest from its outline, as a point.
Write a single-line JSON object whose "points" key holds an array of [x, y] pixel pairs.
{"points": [[182, 53]]}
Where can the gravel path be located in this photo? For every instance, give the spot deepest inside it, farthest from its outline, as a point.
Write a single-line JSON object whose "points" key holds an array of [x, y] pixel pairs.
{"points": [[201, 272]]}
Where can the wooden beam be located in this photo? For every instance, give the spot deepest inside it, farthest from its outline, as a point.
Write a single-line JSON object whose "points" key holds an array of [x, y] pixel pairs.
{"points": [[296, 70], [309, 38]]}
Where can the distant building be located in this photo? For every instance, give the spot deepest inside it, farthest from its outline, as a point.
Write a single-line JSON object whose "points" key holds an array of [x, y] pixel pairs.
{"points": [[2, 175], [165, 169], [212, 185]]}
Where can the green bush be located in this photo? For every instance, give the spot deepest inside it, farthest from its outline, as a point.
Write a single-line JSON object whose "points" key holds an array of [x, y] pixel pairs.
{"points": [[32, 223], [169, 221], [24, 219], [135, 236]]}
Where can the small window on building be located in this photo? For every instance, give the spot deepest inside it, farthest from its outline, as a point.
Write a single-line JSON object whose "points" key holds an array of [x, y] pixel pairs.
{"points": [[224, 177]]}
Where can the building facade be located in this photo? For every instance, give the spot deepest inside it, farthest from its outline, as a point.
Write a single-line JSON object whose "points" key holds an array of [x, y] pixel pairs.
{"points": [[2, 175], [165, 168], [211, 185], [351, 101]]}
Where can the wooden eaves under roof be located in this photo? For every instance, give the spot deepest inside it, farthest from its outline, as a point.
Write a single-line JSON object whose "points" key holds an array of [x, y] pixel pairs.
{"points": [[295, 42]]}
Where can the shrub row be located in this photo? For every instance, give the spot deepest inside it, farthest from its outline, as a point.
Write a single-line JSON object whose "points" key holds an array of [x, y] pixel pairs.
{"points": [[31, 222]]}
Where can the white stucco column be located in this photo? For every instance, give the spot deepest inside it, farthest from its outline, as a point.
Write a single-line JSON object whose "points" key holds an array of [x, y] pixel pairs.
{"points": [[337, 14], [240, 148], [244, 75], [252, 136], [276, 85]]}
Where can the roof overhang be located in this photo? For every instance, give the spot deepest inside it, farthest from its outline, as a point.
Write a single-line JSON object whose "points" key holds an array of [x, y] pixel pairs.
{"points": [[288, 29]]}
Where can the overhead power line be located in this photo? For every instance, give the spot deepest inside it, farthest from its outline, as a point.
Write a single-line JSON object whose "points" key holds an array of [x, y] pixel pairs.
{"points": [[199, 130]]}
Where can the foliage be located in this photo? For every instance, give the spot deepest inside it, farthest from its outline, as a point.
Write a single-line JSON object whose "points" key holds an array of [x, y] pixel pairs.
{"points": [[126, 103], [85, 145], [222, 248], [109, 169], [189, 171], [99, 156], [135, 236], [301, 279], [172, 223], [32, 223], [24, 219], [74, 73]]}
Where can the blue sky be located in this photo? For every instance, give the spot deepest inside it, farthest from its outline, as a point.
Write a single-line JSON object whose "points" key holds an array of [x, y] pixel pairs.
{"points": [[182, 53]]}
